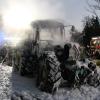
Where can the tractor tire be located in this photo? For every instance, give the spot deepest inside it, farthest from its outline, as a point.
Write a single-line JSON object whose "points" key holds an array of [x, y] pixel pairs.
{"points": [[22, 71], [26, 66], [94, 80], [49, 73]]}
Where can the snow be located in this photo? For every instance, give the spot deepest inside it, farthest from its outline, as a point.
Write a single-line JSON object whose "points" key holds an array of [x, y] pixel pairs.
{"points": [[5, 74], [23, 88]]}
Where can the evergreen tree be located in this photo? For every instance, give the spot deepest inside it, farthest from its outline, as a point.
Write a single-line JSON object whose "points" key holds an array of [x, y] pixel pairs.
{"points": [[91, 29]]}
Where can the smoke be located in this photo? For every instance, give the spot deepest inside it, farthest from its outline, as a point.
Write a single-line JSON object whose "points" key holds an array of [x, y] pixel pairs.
{"points": [[47, 24], [51, 30], [18, 15]]}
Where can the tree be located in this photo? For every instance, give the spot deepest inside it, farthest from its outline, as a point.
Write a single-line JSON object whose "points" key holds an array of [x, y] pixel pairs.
{"points": [[76, 36], [91, 29], [94, 6]]}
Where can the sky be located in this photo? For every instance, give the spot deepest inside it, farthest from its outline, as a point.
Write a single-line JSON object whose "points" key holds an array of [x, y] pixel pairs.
{"points": [[18, 14], [1, 38], [69, 11]]}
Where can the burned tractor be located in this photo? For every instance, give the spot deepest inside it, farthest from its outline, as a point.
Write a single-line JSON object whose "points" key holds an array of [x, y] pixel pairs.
{"points": [[52, 61]]}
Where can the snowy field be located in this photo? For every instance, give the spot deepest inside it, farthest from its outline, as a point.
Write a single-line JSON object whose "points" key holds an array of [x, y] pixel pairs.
{"points": [[23, 88]]}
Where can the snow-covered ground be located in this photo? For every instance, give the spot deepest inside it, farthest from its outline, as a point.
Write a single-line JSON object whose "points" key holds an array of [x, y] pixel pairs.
{"points": [[23, 88]]}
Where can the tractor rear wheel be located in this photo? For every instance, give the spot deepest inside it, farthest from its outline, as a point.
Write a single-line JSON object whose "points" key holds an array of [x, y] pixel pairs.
{"points": [[49, 74]]}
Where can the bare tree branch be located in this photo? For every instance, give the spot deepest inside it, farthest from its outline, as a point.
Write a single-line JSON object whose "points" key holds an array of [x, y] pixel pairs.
{"points": [[92, 8]]}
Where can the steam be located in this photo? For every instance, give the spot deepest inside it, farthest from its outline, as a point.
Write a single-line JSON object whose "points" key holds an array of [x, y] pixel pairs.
{"points": [[51, 25], [48, 24], [51, 30], [18, 14]]}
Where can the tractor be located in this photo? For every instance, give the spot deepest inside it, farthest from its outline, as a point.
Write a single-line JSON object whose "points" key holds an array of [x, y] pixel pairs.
{"points": [[53, 59]]}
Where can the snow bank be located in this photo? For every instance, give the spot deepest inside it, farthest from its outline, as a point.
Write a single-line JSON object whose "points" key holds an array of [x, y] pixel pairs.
{"points": [[23, 88]]}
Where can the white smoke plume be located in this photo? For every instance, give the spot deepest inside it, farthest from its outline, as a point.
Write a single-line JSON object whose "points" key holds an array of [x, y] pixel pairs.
{"points": [[17, 15]]}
